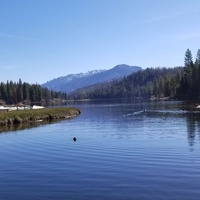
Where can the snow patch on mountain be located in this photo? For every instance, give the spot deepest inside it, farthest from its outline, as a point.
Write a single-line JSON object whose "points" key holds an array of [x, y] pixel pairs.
{"points": [[73, 82]]}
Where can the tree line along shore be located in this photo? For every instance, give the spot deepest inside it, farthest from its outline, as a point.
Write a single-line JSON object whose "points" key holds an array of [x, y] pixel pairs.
{"points": [[152, 83], [39, 115], [182, 83]]}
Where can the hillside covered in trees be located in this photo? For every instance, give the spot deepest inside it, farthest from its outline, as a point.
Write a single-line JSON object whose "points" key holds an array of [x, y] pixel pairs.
{"points": [[12, 93], [156, 83], [179, 82]]}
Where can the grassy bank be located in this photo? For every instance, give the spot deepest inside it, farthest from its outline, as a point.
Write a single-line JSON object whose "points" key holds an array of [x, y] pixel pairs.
{"points": [[46, 114]]}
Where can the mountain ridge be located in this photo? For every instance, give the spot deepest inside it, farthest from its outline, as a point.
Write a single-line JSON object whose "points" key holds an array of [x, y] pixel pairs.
{"points": [[72, 82]]}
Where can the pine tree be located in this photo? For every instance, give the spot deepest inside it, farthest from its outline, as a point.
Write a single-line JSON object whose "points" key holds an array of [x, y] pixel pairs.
{"points": [[198, 57], [20, 91], [26, 93], [188, 58]]}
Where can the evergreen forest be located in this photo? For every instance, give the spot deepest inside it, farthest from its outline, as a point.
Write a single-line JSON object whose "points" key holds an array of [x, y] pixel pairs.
{"points": [[152, 83], [13, 93], [155, 83]]}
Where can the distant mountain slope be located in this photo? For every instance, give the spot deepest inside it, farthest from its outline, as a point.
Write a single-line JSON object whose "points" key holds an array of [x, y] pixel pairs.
{"points": [[149, 83], [73, 82]]}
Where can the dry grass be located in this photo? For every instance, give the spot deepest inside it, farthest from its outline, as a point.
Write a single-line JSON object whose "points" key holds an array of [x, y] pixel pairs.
{"points": [[47, 114]]}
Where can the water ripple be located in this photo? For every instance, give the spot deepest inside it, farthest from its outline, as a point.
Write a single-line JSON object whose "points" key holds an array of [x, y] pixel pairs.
{"points": [[116, 156]]}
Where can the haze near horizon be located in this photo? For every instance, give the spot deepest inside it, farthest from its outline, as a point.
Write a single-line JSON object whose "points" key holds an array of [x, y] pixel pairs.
{"points": [[42, 40]]}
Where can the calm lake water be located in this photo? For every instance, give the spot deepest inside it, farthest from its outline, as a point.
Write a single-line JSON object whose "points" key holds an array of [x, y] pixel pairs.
{"points": [[123, 151]]}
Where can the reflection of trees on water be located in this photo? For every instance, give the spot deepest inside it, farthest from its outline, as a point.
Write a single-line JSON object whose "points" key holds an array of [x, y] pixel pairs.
{"points": [[16, 127], [20, 126], [193, 126], [23, 126]]}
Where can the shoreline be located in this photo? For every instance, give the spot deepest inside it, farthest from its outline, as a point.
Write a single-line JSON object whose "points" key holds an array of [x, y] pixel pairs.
{"points": [[40, 115]]}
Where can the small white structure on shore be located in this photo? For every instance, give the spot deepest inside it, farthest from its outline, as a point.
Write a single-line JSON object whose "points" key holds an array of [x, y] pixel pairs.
{"points": [[8, 108], [37, 107], [11, 108]]}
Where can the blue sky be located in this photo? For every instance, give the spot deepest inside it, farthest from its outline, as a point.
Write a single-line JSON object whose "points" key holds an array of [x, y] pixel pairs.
{"points": [[44, 39]]}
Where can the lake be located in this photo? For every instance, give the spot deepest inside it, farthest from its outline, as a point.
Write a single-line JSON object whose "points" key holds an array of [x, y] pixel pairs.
{"points": [[124, 150]]}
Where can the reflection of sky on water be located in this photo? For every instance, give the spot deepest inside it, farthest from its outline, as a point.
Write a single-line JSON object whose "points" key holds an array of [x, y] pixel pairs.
{"points": [[131, 149], [170, 115], [156, 119]]}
